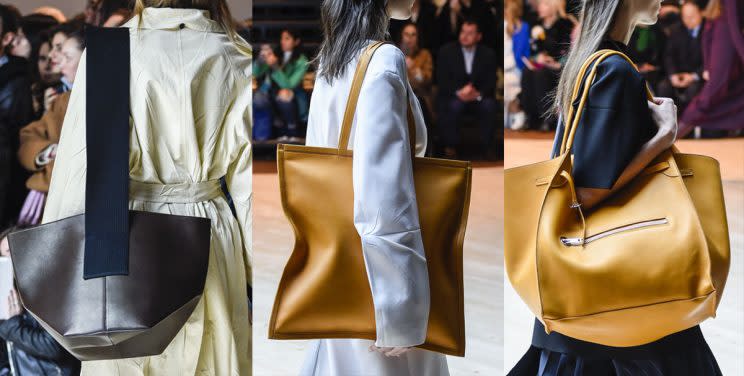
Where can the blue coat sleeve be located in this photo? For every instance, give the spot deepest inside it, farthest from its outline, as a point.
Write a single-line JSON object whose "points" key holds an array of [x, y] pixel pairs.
{"points": [[615, 123]]}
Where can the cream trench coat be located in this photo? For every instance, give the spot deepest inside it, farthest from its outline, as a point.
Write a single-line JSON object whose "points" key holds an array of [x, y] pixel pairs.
{"points": [[190, 100]]}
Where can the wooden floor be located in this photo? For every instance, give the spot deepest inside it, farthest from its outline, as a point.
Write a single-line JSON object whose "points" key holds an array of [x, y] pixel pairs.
{"points": [[725, 334], [483, 268]]}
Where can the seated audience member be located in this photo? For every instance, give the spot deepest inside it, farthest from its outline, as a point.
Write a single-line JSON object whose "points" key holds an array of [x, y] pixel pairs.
{"points": [[38, 147], [646, 49], [16, 110], [280, 85], [516, 47], [551, 38], [683, 58], [423, 15], [420, 67], [466, 74], [32, 350], [669, 16], [33, 43]]}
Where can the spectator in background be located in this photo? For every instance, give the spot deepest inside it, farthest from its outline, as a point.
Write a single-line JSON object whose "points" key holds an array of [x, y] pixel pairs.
{"points": [[683, 58], [669, 18], [33, 44], [455, 12], [39, 139], [59, 37], [719, 107], [16, 110], [466, 75], [32, 351], [420, 68], [550, 41], [423, 16], [516, 49], [646, 49], [282, 85]]}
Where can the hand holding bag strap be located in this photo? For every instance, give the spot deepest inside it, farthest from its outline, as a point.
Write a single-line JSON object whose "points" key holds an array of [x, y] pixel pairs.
{"points": [[107, 135], [571, 124], [351, 103]]}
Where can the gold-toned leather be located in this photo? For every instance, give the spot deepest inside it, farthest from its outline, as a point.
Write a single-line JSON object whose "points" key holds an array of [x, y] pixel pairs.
{"points": [[631, 286], [324, 291]]}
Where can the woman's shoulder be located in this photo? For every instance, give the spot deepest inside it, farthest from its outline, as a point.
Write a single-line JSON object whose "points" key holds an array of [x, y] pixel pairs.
{"points": [[388, 59], [240, 54], [617, 67]]}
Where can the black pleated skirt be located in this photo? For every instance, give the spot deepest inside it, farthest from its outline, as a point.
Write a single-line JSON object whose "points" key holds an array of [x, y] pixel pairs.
{"points": [[681, 354]]}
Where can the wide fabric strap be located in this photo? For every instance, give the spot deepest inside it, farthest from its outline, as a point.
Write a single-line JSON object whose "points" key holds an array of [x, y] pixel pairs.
{"points": [[585, 81], [107, 134], [351, 102]]}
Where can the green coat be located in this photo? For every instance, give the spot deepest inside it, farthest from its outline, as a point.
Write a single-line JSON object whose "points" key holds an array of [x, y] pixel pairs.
{"points": [[288, 76]]}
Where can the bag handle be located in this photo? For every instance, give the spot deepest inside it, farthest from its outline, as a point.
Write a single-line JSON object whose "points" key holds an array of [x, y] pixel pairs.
{"points": [[572, 122], [107, 141], [351, 103]]}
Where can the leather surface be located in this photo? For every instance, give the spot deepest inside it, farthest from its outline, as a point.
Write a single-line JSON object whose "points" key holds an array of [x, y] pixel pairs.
{"points": [[115, 316], [324, 291], [630, 287]]}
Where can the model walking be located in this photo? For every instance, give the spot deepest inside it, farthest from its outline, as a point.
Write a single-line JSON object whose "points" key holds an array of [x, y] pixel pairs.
{"points": [[618, 126], [385, 209], [190, 126]]}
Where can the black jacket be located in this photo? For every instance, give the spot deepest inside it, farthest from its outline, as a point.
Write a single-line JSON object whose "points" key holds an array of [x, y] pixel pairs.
{"points": [[615, 123], [33, 351], [451, 75], [16, 110], [684, 54]]}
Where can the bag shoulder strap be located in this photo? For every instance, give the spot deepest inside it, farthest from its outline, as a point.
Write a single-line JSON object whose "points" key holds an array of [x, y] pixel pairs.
{"points": [[107, 139], [351, 103], [585, 80]]}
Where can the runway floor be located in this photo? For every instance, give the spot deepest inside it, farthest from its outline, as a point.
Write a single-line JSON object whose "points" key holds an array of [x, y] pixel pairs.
{"points": [[483, 270]]}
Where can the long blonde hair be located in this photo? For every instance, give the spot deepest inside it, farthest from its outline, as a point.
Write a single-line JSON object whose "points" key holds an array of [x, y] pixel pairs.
{"points": [[595, 21], [513, 16], [218, 11]]}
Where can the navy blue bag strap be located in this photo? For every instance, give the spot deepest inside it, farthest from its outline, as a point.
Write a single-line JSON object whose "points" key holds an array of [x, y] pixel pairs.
{"points": [[107, 135]]}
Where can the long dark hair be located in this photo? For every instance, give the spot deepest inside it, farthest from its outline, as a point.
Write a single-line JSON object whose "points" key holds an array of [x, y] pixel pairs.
{"points": [[347, 26], [297, 50]]}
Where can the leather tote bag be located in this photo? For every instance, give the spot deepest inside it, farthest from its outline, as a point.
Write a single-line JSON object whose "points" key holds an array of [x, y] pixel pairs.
{"points": [[321, 299], [649, 261], [111, 283]]}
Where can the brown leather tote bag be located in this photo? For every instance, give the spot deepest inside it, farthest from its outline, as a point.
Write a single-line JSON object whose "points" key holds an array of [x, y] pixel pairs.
{"points": [[649, 261], [111, 283], [321, 299]]}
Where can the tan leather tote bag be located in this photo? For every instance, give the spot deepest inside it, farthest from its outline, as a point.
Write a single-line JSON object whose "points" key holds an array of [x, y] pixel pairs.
{"points": [[324, 291], [649, 261]]}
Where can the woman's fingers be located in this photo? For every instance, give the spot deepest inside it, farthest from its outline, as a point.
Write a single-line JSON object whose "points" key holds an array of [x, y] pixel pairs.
{"points": [[398, 351]]}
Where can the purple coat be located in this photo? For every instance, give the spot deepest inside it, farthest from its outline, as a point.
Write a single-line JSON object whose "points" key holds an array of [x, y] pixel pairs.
{"points": [[720, 104]]}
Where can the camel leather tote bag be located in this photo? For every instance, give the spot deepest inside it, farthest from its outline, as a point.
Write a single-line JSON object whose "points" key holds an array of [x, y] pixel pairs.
{"points": [[649, 261], [321, 299], [111, 283]]}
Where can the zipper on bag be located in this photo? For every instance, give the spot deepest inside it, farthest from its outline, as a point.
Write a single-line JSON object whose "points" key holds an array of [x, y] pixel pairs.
{"points": [[572, 242]]}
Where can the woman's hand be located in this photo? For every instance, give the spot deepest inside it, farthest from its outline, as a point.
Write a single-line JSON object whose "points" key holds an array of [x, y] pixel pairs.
{"points": [[664, 112], [390, 351], [14, 304], [49, 96]]}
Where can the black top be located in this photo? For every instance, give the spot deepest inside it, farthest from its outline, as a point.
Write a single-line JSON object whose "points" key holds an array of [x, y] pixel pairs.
{"points": [[616, 122], [557, 39], [451, 74], [684, 52]]}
